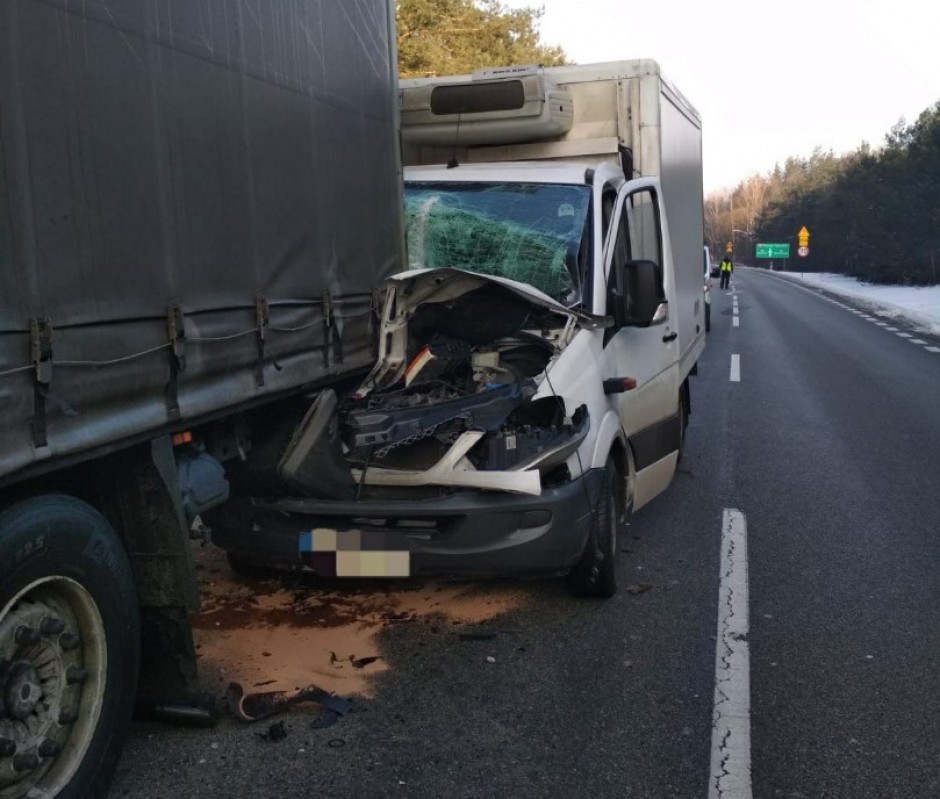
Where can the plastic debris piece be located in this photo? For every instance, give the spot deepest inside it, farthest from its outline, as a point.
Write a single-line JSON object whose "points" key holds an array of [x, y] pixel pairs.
{"points": [[254, 707], [327, 719], [638, 588], [336, 704], [360, 663], [276, 732]]}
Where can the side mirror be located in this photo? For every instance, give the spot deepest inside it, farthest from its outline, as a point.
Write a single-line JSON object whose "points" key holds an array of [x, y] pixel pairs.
{"points": [[635, 295]]}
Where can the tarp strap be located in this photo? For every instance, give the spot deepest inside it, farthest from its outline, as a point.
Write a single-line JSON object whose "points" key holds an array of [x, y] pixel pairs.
{"points": [[328, 327], [262, 318], [176, 333], [41, 354]]}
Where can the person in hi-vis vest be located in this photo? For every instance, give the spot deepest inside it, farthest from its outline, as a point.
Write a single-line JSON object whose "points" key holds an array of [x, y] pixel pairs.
{"points": [[725, 268]]}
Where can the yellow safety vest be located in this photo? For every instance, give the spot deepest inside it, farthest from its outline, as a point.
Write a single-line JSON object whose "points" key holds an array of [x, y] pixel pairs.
{"points": [[726, 266]]}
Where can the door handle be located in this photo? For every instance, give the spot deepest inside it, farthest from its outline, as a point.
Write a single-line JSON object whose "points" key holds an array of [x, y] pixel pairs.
{"points": [[670, 337]]}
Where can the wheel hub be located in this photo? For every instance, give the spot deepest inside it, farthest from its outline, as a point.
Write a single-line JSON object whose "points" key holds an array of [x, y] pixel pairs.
{"points": [[22, 689], [52, 660]]}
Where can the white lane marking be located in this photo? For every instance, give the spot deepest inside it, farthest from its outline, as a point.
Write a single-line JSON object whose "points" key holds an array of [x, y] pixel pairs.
{"points": [[891, 329], [904, 335], [917, 341], [735, 368], [735, 322], [881, 324], [932, 349], [731, 718]]}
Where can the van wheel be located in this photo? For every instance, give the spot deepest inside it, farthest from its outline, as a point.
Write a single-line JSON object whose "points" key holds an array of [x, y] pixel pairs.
{"points": [[708, 317], [595, 575], [69, 649]]}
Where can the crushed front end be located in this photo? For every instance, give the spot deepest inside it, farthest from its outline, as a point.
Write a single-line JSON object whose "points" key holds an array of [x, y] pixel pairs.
{"points": [[450, 457]]}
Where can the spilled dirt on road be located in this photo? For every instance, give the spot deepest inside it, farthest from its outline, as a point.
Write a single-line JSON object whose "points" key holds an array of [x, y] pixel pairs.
{"points": [[284, 634]]}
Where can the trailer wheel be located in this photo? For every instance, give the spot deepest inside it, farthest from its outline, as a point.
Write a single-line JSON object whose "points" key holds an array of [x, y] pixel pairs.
{"points": [[69, 649], [595, 575]]}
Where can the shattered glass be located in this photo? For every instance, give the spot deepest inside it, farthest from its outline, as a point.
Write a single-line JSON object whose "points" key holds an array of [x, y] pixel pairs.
{"points": [[531, 233]]}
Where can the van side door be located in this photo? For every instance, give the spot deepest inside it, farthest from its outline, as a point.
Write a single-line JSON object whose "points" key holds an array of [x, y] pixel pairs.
{"points": [[648, 354]]}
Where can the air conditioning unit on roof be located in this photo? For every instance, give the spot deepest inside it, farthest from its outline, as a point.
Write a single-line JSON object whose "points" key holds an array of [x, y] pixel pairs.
{"points": [[520, 106]]}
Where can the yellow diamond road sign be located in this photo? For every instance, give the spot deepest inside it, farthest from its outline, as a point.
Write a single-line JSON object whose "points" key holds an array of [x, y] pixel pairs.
{"points": [[803, 237]]}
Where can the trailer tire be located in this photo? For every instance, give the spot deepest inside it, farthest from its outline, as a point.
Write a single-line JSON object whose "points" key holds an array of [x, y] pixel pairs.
{"points": [[70, 637], [595, 575]]}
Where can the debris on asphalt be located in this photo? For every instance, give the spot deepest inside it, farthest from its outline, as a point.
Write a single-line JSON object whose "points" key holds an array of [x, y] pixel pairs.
{"points": [[334, 708], [490, 659], [336, 743], [327, 719], [363, 662], [257, 706], [639, 588], [276, 732]]}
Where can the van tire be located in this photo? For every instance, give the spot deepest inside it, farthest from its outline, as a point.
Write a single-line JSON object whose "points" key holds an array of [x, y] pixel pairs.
{"points": [[595, 575], [708, 317], [66, 580]]}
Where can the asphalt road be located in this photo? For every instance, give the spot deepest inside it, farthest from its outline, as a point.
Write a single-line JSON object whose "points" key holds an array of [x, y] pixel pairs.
{"points": [[828, 443]]}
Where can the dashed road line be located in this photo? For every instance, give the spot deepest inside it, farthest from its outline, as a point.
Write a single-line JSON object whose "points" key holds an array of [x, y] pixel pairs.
{"points": [[735, 368], [903, 335], [932, 349], [730, 776], [735, 322], [917, 341]]}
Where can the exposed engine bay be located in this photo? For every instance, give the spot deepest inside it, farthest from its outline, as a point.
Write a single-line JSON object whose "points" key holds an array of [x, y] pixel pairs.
{"points": [[454, 400]]}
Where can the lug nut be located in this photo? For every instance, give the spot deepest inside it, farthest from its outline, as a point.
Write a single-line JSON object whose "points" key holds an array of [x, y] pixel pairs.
{"points": [[7, 747], [67, 716], [49, 748], [26, 762], [75, 674], [27, 635], [69, 641], [52, 626]]}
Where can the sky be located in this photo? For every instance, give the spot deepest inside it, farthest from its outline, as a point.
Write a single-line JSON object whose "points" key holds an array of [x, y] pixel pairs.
{"points": [[771, 80]]}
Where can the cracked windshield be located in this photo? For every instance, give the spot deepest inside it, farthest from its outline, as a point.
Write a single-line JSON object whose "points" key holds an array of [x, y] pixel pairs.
{"points": [[527, 232]]}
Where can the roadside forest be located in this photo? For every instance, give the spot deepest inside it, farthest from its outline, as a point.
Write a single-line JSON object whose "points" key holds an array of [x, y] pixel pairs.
{"points": [[873, 214]]}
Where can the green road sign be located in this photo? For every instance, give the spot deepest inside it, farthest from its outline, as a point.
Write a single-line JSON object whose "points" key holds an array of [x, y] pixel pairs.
{"points": [[772, 251]]}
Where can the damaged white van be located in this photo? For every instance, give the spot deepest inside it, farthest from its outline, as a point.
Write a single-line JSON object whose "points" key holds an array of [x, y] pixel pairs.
{"points": [[531, 384]]}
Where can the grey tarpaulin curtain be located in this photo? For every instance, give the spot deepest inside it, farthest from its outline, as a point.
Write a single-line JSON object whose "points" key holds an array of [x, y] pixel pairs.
{"points": [[200, 154]]}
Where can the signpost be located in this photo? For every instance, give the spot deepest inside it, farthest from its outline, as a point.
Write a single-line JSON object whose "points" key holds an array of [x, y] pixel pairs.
{"points": [[772, 251], [803, 238]]}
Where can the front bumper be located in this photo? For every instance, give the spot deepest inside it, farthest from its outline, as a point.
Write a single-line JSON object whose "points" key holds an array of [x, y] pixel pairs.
{"points": [[466, 533]]}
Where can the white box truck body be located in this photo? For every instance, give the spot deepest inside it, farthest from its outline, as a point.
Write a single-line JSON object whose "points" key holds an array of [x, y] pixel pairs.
{"points": [[624, 113]]}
